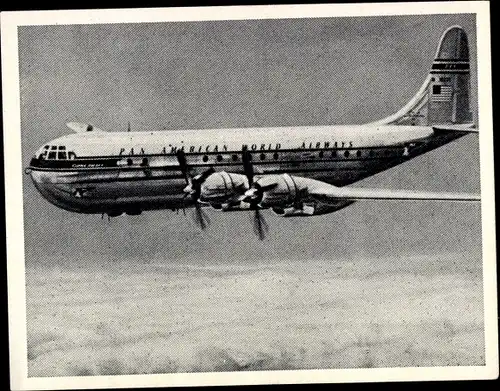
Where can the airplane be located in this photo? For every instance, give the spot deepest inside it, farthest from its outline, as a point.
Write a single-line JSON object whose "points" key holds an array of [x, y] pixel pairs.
{"points": [[293, 171]]}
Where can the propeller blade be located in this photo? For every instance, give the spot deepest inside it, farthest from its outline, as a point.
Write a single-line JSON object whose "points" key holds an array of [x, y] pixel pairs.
{"points": [[193, 188], [256, 193], [248, 196], [247, 166], [260, 226], [199, 179], [201, 218], [181, 158], [253, 196], [184, 203]]}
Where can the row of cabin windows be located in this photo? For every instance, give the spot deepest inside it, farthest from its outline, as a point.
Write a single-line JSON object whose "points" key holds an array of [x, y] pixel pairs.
{"points": [[59, 153], [235, 157], [321, 155]]}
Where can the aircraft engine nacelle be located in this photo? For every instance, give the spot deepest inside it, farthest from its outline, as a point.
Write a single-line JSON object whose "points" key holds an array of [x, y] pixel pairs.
{"points": [[283, 190], [222, 189], [288, 196], [280, 190]]}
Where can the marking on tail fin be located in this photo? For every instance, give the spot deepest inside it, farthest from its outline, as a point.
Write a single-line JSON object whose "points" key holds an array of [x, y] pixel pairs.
{"points": [[450, 66], [444, 95], [441, 93]]}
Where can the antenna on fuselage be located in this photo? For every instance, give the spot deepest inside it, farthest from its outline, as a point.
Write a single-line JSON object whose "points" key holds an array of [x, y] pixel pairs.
{"points": [[128, 128]]}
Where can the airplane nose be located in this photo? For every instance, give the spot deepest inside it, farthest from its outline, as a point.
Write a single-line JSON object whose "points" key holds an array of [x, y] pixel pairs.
{"points": [[45, 183], [41, 181]]}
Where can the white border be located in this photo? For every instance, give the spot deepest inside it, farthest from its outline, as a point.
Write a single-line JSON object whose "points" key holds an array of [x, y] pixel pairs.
{"points": [[14, 206]]}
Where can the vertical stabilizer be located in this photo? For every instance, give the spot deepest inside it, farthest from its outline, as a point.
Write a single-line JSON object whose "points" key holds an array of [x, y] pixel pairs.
{"points": [[444, 95]]}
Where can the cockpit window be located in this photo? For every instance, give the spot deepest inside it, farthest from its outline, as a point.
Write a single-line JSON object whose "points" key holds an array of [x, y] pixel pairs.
{"points": [[43, 155], [61, 154], [56, 152]]}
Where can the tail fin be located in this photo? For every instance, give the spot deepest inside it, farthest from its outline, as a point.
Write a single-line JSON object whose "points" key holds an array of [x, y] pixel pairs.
{"points": [[444, 96]]}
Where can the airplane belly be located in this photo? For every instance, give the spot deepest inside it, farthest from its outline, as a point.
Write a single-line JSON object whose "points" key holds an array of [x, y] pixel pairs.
{"points": [[109, 190]]}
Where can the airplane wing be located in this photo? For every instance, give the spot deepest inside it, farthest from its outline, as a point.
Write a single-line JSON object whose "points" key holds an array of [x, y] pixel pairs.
{"points": [[332, 194]]}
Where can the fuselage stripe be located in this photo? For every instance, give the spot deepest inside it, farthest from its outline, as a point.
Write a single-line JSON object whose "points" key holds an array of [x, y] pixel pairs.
{"points": [[207, 165]]}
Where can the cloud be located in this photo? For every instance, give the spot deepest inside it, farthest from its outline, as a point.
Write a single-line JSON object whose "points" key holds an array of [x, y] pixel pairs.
{"points": [[160, 318]]}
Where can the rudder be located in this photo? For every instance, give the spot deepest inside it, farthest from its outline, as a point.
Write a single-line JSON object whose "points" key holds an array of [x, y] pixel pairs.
{"points": [[444, 96]]}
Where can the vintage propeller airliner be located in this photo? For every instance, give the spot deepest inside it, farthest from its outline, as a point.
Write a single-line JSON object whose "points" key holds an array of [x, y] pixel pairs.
{"points": [[294, 171]]}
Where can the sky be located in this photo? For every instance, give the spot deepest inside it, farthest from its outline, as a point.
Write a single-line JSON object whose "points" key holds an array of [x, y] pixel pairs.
{"points": [[200, 75]]}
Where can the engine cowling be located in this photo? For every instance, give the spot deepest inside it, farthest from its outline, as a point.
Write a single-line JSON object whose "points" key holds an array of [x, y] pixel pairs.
{"points": [[289, 196], [280, 190], [222, 189]]}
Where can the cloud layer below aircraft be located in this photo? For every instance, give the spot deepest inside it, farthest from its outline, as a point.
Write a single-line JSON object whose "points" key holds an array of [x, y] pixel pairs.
{"points": [[160, 318]]}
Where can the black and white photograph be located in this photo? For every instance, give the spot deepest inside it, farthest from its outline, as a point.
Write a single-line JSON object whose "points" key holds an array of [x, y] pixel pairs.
{"points": [[249, 195]]}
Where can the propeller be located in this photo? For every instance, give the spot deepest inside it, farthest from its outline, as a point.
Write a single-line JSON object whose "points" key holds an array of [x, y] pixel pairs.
{"points": [[253, 196], [193, 189]]}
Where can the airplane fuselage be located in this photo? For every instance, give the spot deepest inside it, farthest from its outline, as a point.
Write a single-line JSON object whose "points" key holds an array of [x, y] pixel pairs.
{"points": [[130, 172], [294, 171]]}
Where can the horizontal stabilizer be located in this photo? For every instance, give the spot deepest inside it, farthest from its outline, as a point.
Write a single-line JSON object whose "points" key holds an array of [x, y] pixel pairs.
{"points": [[455, 128], [333, 194], [80, 127]]}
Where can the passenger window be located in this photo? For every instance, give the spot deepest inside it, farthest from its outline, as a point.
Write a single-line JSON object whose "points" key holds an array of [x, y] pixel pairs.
{"points": [[52, 155], [53, 147], [71, 155], [61, 155]]}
